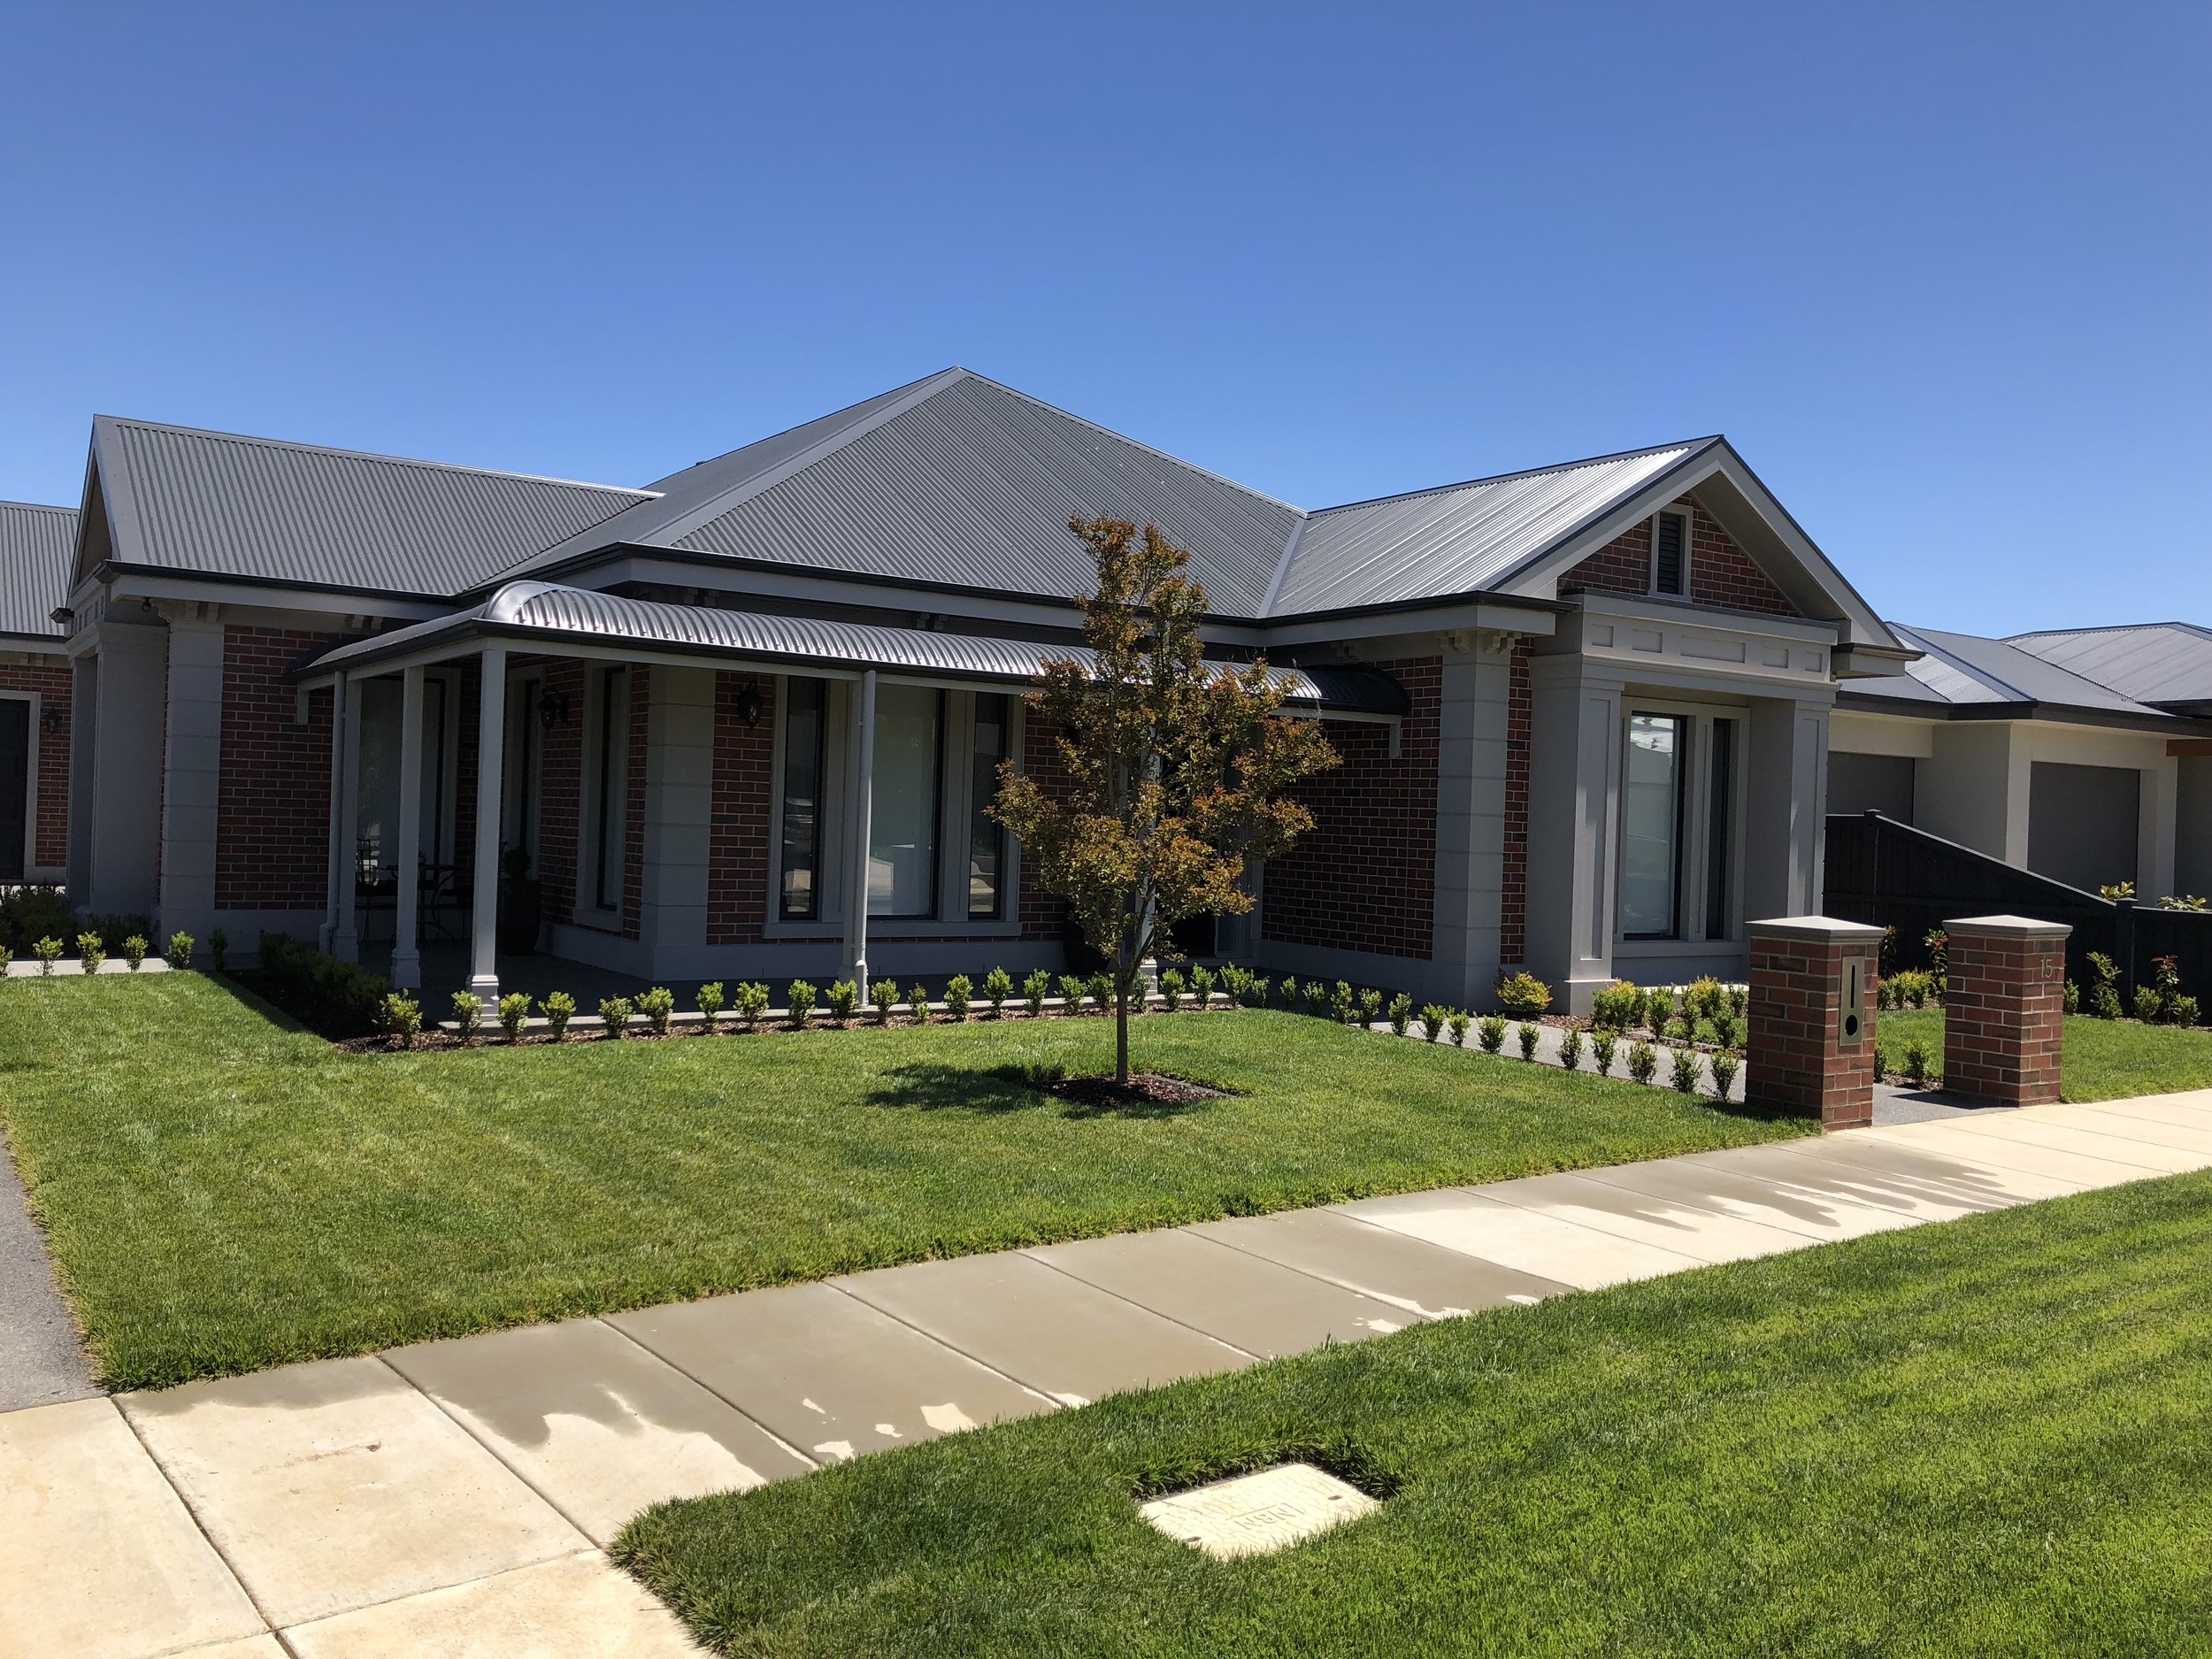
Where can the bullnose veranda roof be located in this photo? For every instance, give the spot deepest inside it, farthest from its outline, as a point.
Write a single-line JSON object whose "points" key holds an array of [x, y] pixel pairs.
{"points": [[36, 546]]}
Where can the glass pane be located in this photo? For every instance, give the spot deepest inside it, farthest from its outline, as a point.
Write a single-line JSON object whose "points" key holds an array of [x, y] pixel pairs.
{"points": [[806, 704], [1716, 824], [902, 815], [1650, 820], [377, 829], [986, 839]]}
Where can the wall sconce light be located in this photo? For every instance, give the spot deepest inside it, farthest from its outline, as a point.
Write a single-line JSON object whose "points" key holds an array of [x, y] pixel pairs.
{"points": [[553, 709], [50, 721], [749, 703]]}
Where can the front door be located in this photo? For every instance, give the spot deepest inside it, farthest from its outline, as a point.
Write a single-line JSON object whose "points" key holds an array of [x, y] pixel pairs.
{"points": [[15, 785]]}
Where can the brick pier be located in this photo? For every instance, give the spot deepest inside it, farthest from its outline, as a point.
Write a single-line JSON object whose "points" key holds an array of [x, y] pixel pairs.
{"points": [[2002, 1008], [1811, 1044]]}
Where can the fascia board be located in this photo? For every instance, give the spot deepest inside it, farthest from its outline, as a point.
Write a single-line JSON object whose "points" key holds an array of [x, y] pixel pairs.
{"points": [[155, 582], [1495, 613]]}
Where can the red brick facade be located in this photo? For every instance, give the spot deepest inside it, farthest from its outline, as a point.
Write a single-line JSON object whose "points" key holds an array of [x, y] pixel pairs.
{"points": [[1364, 877], [560, 785], [273, 817], [1043, 915], [740, 817], [1520, 719], [1721, 574], [1801, 1060], [50, 790], [2002, 1008]]}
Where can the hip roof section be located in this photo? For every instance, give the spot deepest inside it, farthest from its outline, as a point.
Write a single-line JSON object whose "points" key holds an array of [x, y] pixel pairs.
{"points": [[1966, 673], [2165, 663], [36, 546]]}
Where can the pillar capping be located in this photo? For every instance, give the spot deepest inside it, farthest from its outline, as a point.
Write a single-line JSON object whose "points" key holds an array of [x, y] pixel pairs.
{"points": [[2005, 927], [1825, 930]]}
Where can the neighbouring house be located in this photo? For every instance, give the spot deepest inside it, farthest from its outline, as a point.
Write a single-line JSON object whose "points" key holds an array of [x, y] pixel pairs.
{"points": [[745, 721], [37, 547], [2080, 755]]}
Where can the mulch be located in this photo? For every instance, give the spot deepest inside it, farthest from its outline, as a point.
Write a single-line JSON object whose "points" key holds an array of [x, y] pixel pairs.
{"points": [[1156, 1088]]}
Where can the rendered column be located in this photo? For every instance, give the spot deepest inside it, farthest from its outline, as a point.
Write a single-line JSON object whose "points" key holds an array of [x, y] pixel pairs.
{"points": [[2003, 1008], [192, 784], [491, 773], [406, 949], [863, 806], [345, 940], [1811, 1047], [336, 875]]}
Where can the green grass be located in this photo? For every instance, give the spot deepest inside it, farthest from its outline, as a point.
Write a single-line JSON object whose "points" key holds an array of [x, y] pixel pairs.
{"points": [[1992, 1437], [223, 1191], [2103, 1059]]}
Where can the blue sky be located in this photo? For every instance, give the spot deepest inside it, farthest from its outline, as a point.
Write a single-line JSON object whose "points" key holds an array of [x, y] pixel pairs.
{"points": [[1941, 273]]}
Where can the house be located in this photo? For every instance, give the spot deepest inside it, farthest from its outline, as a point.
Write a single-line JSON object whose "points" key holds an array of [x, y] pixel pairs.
{"points": [[2080, 755], [744, 721], [36, 546]]}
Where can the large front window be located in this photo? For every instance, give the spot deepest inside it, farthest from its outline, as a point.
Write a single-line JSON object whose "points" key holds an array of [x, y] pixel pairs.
{"points": [[805, 738], [907, 803], [1651, 827], [987, 837]]}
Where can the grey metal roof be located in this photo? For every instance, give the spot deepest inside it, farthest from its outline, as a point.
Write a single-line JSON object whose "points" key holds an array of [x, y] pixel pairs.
{"points": [[1965, 671], [2166, 663], [37, 545], [542, 610], [1459, 538], [215, 503]]}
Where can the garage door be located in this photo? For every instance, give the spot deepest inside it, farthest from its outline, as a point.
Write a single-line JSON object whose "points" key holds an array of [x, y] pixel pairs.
{"points": [[2082, 822]]}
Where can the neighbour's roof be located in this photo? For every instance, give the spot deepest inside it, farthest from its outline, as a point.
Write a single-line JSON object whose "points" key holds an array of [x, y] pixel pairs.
{"points": [[546, 613], [2165, 663], [217, 503], [1964, 671], [36, 545]]}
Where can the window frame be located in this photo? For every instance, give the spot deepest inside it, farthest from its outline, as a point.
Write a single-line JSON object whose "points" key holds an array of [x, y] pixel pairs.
{"points": [[1692, 935], [594, 812]]}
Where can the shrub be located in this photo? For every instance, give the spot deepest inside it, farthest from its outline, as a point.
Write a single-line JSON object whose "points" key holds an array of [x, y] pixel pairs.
{"points": [[2104, 996], [1740, 1000], [1457, 1020], [658, 1005], [49, 952], [1643, 1061], [998, 985], [1072, 988], [2182, 1010], [340, 997], [709, 1001], [1316, 998], [959, 990], [1236, 983], [842, 999], [34, 912], [1370, 1009], [1705, 998], [135, 950], [1522, 994], [1601, 1042], [1938, 944], [1527, 1034], [514, 1008], [1917, 1062], [1202, 985], [1255, 991], [90, 951], [1727, 1031], [219, 949], [1102, 990], [1724, 1066], [1034, 988], [7, 955], [1684, 1076], [2167, 977], [799, 1002], [1615, 1007], [1171, 988], [1490, 1033], [559, 1008], [1571, 1049], [2147, 1003], [1881, 1063], [752, 1002], [1885, 992], [918, 999], [180, 951], [1433, 1017], [468, 1015], [614, 1014], [1401, 1013], [1678, 1030], [399, 1017], [884, 994]]}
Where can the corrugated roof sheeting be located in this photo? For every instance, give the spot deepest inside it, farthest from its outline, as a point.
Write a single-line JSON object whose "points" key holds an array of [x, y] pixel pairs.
{"points": [[1454, 541], [974, 486], [1966, 669], [2152, 662], [215, 503], [37, 551]]}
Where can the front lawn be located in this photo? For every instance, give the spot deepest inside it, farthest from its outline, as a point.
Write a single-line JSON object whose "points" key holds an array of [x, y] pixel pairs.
{"points": [[2102, 1059], [1991, 1437], [222, 1191]]}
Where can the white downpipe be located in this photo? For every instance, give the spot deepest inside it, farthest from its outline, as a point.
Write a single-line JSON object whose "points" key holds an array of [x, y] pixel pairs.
{"points": [[406, 954], [491, 773], [863, 806]]}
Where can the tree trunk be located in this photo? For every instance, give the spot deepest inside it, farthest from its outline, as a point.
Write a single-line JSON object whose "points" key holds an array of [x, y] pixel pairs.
{"points": [[1121, 1037]]}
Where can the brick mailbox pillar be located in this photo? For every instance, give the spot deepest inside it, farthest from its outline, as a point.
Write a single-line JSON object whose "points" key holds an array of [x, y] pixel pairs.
{"points": [[2002, 1004], [1811, 1047]]}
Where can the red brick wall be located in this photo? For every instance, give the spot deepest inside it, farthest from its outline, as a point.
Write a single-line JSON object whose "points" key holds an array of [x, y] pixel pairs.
{"points": [[1795, 1063], [560, 788], [634, 803], [1043, 915], [1513, 895], [1721, 574], [2002, 1013], [1364, 877], [272, 819], [50, 790], [741, 815]]}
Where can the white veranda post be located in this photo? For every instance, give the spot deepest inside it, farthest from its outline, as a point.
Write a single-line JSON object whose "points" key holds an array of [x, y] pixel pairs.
{"points": [[338, 876], [406, 954], [491, 731], [863, 803]]}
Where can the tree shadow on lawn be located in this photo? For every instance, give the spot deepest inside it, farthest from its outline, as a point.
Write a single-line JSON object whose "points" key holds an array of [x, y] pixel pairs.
{"points": [[932, 1086]]}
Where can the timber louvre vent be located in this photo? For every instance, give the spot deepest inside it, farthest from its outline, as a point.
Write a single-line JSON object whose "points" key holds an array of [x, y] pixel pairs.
{"points": [[1259, 1513]]}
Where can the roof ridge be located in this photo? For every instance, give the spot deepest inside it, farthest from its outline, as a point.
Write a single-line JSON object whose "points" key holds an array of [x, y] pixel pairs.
{"points": [[1687, 446], [371, 455], [1964, 667], [2106, 628]]}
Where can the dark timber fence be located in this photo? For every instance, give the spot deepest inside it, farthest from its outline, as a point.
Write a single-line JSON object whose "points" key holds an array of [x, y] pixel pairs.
{"points": [[1892, 875]]}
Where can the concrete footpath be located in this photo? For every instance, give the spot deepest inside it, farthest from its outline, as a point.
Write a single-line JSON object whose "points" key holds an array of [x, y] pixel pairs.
{"points": [[455, 1498]]}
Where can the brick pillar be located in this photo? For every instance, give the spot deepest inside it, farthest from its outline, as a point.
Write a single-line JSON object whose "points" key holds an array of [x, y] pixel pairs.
{"points": [[1812, 1042], [2002, 1007]]}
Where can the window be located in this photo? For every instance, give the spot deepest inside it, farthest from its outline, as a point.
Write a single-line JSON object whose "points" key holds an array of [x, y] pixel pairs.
{"points": [[1651, 827], [805, 766], [907, 802], [987, 837], [609, 776], [1720, 792], [1671, 553]]}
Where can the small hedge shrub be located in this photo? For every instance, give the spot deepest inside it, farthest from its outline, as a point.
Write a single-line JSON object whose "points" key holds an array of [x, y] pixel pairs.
{"points": [[1490, 1033], [560, 1009], [614, 1014], [1526, 1033], [709, 1001], [998, 985], [1522, 995], [399, 1018], [959, 992], [341, 997], [752, 1003], [658, 1005], [842, 999], [468, 1015], [799, 1002], [1724, 1067], [180, 951], [1643, 1061], [514, 1013]]}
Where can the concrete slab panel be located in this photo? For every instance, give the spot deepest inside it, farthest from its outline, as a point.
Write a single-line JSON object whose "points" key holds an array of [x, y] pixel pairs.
{"points": [[1910, 1198], [263, 1647], [833, 1376], [101, 1559], [2194, 1108], [333, 1486], [2146, 1154], [1058, 1335], [595, 1423], [1943, 1174], [576, 1607], [2083, 1171], [1769, 1200], [2168, 1132], [1260, 1306], [1426, 1280], [1461, 1219], [1707, 1234]]}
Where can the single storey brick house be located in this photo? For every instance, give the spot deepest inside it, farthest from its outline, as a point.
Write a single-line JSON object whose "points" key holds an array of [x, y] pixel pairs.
{"points": [[745, 721]]}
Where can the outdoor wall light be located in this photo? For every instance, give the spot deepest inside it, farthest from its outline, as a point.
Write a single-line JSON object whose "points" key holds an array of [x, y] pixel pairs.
{"points": [[749, 703], [553, 709], [50, 721]]}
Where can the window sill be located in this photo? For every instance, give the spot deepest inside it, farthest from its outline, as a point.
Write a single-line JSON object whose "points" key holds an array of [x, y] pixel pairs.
{"points": [[1633, 948]]}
